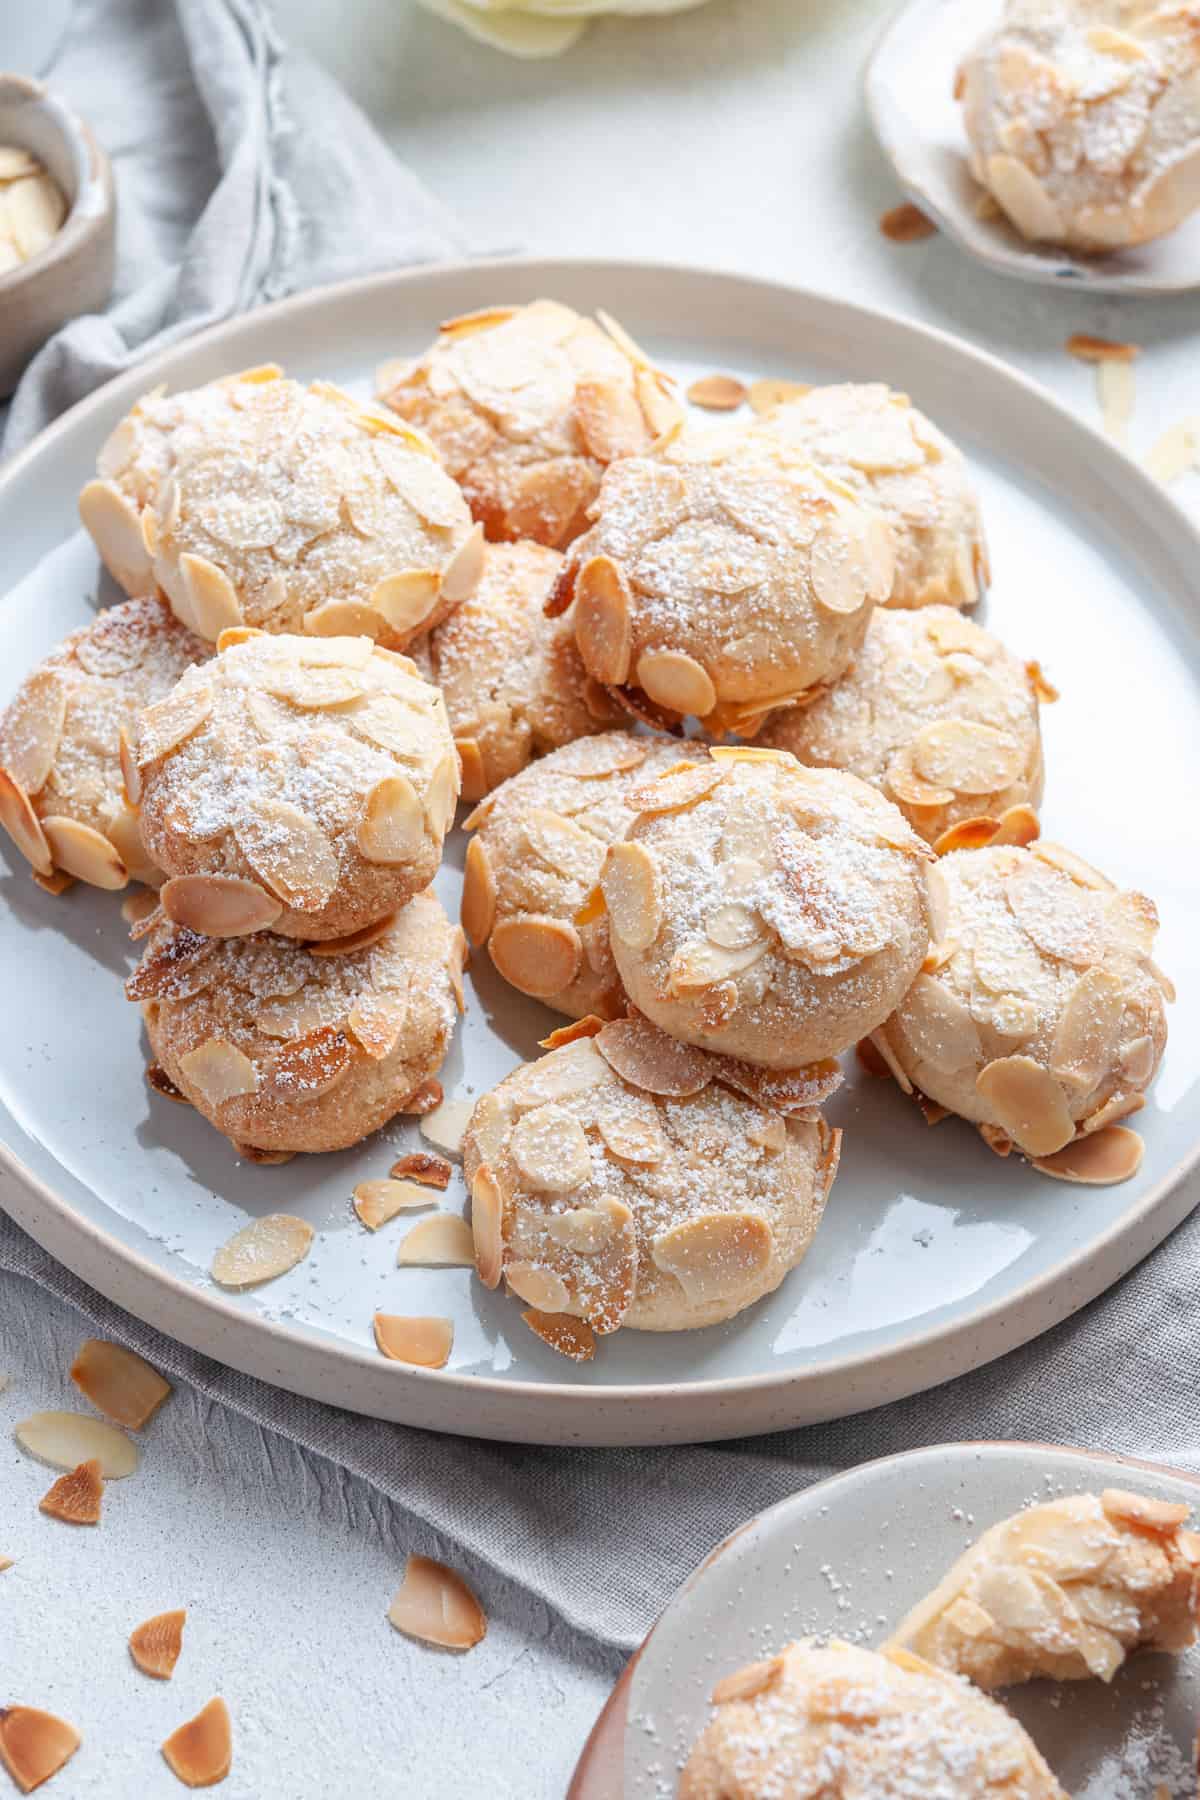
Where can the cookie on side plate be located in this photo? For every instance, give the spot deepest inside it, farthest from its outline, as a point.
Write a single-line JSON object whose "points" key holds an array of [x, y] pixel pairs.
{"points": [[626, 1179], [528, 405], [295, 784], [283, 1047], [62, 793], [258, 501]]}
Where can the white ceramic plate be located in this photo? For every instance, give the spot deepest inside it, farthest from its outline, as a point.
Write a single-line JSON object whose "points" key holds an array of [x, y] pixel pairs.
{"points": [[934, 1256], [910, 97], [848, 1558]]}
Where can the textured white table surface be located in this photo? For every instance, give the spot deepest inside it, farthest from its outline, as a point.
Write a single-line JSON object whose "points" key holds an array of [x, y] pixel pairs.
{"points": [[735, 136]]}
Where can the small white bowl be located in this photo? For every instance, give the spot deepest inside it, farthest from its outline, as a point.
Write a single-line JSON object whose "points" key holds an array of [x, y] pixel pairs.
{"points": [[74, 273]]}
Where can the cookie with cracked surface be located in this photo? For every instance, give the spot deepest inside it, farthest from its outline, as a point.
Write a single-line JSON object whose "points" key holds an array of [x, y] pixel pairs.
{"points": [[1065, 1591], [937, 715], [283, 1048], [259, 501], [528, 405], [828, 1722], [512, 679], [763, 909], [532, 868], [720, 589], [62, 793], [1084, 121], [295, 784], [624, 1180], [1039, 1013]]}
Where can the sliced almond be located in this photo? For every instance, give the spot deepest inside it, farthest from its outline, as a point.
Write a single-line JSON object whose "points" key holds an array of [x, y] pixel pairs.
{"points": [[906, 224], [648, 1059], [33, 728], [1018, 825], [23, 826], [906, 786], [701, 965], [445, 1125], [1057, 856], [1116, 391], [549, 1148], [84, 853], [769, 1130], [460, 577], [1023, 197], [631, 1130], [156, 1643], [633, 894], [539, 1287], [59, 883], [733, 926], [772, 391], [1088, 1030], [75, 1498], [362, 939], [406, 601], [158, 1079], [376, 1022], [66, 1439], [487, 1226], [1064, 920], [779, 1090], [200, 1752], [118, 1382], [1089, 349], [392, 828], [603, 620], [938, 1026], [376, 1202], [968, 834], [219, 906], [310, 1066], [537, 954], [262, 1251], [966, 756], [564, 846], [420, 1166], [289, 853], [677, 788], [221, 1071], [571, 1337], [424, 1342], [1027, 1103], [35, 1745], [344, 618], [1162, 1517], [443, 1242], [837, 571], [436, 1606], [568, 1034], [610, 419], [170, 722], [114, 527], [215, 604], [1100, 1159], [677, 681], [716, 1255], [566, 1073]]}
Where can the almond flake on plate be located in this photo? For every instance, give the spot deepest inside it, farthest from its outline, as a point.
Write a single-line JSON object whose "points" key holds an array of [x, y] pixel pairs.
{"points": [[1116, 391], [425, 1342], [34, 1745], [155, 1644], [906, 224], [420, 1165], [436, 1606], [118, 1382], [66, 1439], [1086, 348], [446, 1126], [717, 393], [376, 1202], [262, 1250], [75, 1498], [442, 1242], [200, 1752]]}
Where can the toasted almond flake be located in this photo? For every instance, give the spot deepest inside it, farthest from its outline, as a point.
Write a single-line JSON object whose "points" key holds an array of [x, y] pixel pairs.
{"points": [[1088, 1030], [115, 529], [610, 419], [64, 1440], [376, 1021], [568, 1072], [715, 1254], [310, 1066], [200, 1752], [717, 393], [170, 722], [406, 601], [755, 1678], [156, 1643], [473, 774], [436, 1606], [1028, 1104], [34, 724], [677, 788], [376, 1202], [593, 908], [537, 954], [261, 1251], [1176, 452], [1116, 392], [647, 1058], [344, 618], [442, 1242], [83, 852], [219, 906], [487, 1216], [57, 884], [1059, 857], [780, 1090], [773, 391], [906, 224], [1089, 349], [1162, 1517], [425, 1342], [353, 941], [997, 1141], [905, 785], [392, 828], [1018, 825], [1137, 1059], [838, 572], [603, 626], [1024, 198], [676, 681], [118, 1382], [1064, 920], [631, 1132], [478, 894], [569, 1034], [426, 1098], [701, 965], [289, 853], [158, 1079], [6, 1562], [1101, 1159], [221, 1071], [35, 1745], [539, 1287], [549, 1148], [633, 894], [968, 834], [215, 604], [571, 1337], [880, 1043], [966, 756], [441, 796], [420, 1165], [564, 846], [75, 1498], [23, 826], [938, 1025]]}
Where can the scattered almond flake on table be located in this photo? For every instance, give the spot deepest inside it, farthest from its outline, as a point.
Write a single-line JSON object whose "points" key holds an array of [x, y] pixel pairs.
{"points": [[1089, 349], [6, 1562], [445, 1127], [75, 1498], [425, 1342], [200, 1752], [1176, 452], [66, 1439], [436, 1606], [376, 1202], [906, 224], [261, 1251], [443, 1242], [717, 393], [155, 1644], [118, 1382], [420, 1165], [1116, 391], [34, 1745]]}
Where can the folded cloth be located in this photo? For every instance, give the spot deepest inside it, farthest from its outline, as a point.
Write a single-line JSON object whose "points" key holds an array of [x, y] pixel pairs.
{"points": [[243, 173]]}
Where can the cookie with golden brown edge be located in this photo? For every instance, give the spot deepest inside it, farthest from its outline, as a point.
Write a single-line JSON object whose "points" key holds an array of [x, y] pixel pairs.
{"points": [[529, 886], [836, 1722], [1039, 1013], [941, 718], [528, 406], [627, 1179], [283, 1047], [295, 784], [259, 501], [763, 909], [512, 679], [62, 793]]}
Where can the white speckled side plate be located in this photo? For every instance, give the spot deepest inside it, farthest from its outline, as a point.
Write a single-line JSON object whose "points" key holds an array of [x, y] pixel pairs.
{"points": [[934, 1256], [848, 1558], [910, 96]]}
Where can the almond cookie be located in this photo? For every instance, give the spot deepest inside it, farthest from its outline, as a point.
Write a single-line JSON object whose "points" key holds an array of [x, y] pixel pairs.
{"points": [[261, 502], [722, 590], [528, 405], [62, 795], [1084, 121], [896, 460], [626, 1179], [1039, 1014], [1065, 1590], [529, 884], [939, 717], [287, 1048], [763, 909], [512, 679], [295, 784], [834, 1722]]}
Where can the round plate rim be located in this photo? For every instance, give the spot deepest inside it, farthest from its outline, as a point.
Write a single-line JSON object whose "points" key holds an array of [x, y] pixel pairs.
{"points": [[616, 1414]]}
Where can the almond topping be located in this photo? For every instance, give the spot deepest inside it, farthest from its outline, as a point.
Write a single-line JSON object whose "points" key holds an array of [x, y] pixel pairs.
{"points": [[1028, 1104], [1175, 452], [445, 1125], [837, 571], [478, 894], [1101, 1159], [221, 1071], [968, 834], [938, 1025], [84, 853], [219, 906], [487, 1218], [603, 627], [677, 681], [1163, 1517], [1115, 390], [561, 1076], [64, 1440], [1062, 919], [704, 965], [392, 829], [568, 1034], [289, 852], [75, 1498], [733, 926], [460, 577], [425, 1342], [631, 1130], [406, 601], [215, 605], [362, 939], [23, 826], [1018, 825], [678, 788], [310, 1066], [717, 393], [262, 1251], [343, 618], [770, 1129], [648, 1059], [33, 728], [1082, 873], [34, 1745], [1089, 349], [905, 785], [200, 1753], [376, 1202], [755, 1678], [1089, 1029], [170, 722], [376, 1022], [610, 420], [549, 1148], [965, 756], [715, 1255], [158, 1079], [419, 1165], [541, 1288], [565, 847], [155, 1644], [311, 687], [116, 531], [118, 1382], [779, 1090], [537, 954], [571, 1337], [906, 224], [443, 1242], [633, 894], [441, 796], [436, 1606]]}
